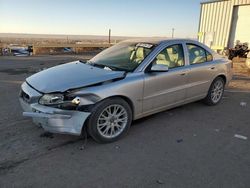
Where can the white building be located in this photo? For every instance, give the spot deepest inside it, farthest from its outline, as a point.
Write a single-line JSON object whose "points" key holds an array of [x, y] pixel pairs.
{"points": [[223, 22]]}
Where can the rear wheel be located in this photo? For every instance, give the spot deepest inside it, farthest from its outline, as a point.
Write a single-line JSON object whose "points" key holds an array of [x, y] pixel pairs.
{"points": [[215, 92], [110, 120]]}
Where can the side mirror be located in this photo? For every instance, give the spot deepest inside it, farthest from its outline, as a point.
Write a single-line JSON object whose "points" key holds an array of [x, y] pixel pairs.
{"points": [[159, 68]]}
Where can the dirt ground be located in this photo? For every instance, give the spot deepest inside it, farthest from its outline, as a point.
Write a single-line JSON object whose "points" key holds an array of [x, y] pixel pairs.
{"points": [[190, 146]]}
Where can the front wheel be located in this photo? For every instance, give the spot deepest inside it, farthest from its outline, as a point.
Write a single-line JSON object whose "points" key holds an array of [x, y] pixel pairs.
{"points": [[215, 92], [110, 120]]}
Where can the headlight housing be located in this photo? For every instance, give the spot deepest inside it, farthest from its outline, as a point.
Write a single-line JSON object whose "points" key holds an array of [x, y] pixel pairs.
{"points": [[51, 99]]}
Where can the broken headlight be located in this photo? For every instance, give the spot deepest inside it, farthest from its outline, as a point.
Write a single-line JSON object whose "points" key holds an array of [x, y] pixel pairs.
{"points": [[51, 99]]}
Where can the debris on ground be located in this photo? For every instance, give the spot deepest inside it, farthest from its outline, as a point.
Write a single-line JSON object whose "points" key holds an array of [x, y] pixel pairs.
{"points": [[243, 104], [179, 140], [47, 135], [82, 147], [85, 139], [117, 147], [217, 130], [159, 182], [240, 136]]}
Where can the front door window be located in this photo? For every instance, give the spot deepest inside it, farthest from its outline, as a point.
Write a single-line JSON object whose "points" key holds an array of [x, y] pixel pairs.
{"points": [[172, 56]]}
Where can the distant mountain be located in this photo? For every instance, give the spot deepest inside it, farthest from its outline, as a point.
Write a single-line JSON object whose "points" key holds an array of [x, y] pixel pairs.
{"points": [[48, 36], [71, 37]]}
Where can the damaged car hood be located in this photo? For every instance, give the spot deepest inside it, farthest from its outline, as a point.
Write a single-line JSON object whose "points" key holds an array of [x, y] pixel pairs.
{"points": [[70, 76]]}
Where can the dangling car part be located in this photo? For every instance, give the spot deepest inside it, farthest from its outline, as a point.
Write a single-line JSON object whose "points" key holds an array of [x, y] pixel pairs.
{"points": [[240, 50]]}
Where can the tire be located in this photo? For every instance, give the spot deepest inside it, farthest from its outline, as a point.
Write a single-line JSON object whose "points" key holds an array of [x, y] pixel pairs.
{"points": [[110, 119], [216, 88]]}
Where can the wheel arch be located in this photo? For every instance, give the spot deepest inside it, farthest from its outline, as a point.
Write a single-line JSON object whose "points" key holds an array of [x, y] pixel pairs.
{"points": [[88, 130], [127, 99], [223, 77]]}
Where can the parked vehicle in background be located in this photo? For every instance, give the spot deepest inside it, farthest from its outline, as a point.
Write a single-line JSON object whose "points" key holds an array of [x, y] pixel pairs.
{"points": [[125, 82], [20, 51], [67, 50]]}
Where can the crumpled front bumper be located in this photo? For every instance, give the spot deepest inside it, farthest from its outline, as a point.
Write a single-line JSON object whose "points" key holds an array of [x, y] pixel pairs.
{"points": [[55, 120]]}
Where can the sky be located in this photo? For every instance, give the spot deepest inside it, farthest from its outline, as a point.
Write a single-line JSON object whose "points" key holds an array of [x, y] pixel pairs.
{"points": [[139, 18]]}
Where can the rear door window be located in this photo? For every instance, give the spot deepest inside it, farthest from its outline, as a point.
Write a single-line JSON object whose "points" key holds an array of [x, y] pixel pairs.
{"points": [[198, 54]]}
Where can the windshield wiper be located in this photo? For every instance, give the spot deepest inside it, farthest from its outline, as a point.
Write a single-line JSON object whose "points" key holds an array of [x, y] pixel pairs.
{"points": [[113, 68], [95, 64], [83, 61], [116, 68]]}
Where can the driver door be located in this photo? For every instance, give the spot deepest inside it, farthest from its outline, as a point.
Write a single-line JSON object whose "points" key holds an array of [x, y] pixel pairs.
{"points": [[163, 89]]}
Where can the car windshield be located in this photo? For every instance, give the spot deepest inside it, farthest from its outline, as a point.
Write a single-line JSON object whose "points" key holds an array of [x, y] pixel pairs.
{"points": [[125, 56]]}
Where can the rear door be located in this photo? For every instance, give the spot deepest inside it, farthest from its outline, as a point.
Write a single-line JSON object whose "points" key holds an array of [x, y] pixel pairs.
{"points": [[163, 89], [202, 71]]}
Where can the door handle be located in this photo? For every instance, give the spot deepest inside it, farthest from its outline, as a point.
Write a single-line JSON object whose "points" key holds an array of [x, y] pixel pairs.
{"points": [[212, 68], [183, 74]]}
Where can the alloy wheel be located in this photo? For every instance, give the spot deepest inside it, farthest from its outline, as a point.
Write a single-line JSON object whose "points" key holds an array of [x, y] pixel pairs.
{"points": [[217, 91], [112, 121]]}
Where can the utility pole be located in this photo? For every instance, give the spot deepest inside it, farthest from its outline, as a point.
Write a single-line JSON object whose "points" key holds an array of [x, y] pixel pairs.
{"points": [[173, 33], [109, 36]]}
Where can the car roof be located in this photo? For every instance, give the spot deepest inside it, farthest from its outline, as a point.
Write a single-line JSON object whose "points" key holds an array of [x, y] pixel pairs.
{"points": [[159, 40]]}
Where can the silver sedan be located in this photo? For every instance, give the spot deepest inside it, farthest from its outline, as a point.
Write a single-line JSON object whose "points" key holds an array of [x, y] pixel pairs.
{"points": [[128, 81]]}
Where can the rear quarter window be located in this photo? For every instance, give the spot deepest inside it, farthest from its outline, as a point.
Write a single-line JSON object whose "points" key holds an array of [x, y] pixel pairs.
{"points": [[209, 56]]}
